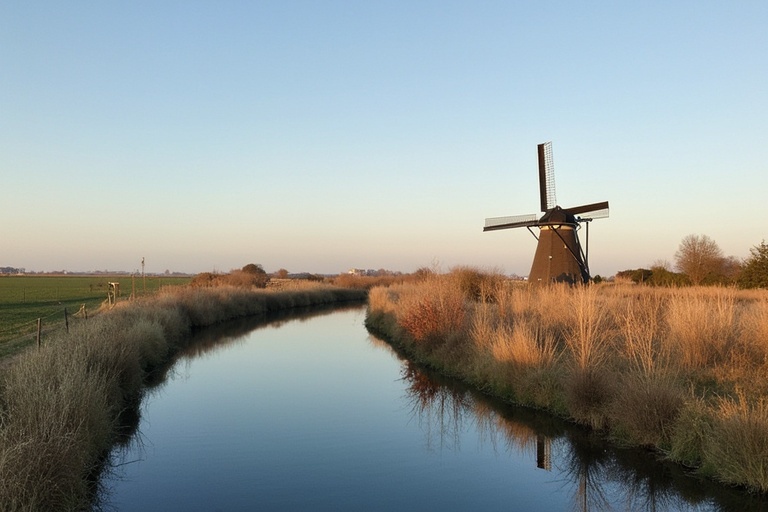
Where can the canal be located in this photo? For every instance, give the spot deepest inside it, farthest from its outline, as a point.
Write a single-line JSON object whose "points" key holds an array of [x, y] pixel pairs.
{"points": [[313, 413]]}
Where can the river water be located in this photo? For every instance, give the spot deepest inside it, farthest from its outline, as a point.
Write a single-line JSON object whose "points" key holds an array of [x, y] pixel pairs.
{"points": [[312, 413]]}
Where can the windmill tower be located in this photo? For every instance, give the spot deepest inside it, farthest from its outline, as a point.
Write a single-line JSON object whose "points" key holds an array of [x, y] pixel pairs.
{"points": [[559, 255]]}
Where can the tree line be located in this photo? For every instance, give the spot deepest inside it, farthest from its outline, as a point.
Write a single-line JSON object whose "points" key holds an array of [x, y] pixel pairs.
{"points": [[699, 261]]}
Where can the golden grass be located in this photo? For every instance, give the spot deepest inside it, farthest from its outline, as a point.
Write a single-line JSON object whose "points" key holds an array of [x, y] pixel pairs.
{"points": [[681, 370]]}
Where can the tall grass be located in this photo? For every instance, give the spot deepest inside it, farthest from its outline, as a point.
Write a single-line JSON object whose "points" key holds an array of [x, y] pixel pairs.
{"points": [[684, 371], [61, 406]]}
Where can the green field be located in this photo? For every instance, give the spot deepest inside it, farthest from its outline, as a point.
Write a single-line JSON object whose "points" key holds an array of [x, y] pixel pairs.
{"points": [[24, 299]]}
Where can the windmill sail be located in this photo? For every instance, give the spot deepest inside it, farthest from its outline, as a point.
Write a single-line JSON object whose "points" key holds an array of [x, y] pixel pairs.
{"points": [[515, 221], [546, 177], [593, 211]]}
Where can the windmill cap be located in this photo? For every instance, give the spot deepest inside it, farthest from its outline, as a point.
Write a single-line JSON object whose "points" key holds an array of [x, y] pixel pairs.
{"points": [[558, 216]]}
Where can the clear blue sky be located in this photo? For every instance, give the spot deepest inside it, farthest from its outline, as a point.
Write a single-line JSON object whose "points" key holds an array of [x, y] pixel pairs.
{"points": [[323, 135]]}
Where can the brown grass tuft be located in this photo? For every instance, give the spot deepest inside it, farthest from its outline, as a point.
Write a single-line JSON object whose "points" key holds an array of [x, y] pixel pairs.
{"points": [[739, 446]]}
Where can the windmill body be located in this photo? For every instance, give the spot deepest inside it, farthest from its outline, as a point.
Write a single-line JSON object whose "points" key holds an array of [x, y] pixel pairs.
{"points": [[559, 256]]}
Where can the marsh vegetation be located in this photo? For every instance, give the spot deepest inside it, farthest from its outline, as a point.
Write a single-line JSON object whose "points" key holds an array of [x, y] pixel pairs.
{"points": [[683, 371]]}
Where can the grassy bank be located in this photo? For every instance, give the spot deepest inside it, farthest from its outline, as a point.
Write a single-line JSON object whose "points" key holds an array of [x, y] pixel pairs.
{"points": [[683, 371], [25, 298], [60, 406]]}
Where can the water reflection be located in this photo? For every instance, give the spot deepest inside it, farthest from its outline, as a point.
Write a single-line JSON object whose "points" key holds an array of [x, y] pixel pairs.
{"points": [[600, 478], [130, 440], [285, 416]]}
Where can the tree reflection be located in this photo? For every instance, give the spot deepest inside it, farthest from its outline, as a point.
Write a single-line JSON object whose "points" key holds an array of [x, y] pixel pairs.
{"points": [[439, 409], [601, 477]]}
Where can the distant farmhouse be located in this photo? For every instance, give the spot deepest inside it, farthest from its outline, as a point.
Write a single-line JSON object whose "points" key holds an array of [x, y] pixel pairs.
{"points": [[372, 273]]}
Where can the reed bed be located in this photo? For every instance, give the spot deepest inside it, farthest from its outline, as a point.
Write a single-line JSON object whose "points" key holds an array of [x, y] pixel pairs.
{"points": [[61, 406], [683, 371]]}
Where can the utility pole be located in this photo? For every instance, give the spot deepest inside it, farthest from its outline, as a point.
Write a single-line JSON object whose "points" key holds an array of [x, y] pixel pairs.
{"points": [[143, 280]]}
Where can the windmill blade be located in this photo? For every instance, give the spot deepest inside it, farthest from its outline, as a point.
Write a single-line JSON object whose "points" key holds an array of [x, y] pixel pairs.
{"points": [[594, 210], [515, 221], [546, 177]]}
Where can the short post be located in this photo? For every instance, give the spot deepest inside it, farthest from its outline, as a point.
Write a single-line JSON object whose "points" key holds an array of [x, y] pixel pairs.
{"points": [[39, 322], [66, 320]]}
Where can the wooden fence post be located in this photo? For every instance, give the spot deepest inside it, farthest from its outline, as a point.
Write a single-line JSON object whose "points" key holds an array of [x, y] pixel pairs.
{"points": [[66, 320], [39, 321]]}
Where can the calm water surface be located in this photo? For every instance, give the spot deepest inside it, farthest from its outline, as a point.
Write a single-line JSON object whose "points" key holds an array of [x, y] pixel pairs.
{"points": [[316, 414]]}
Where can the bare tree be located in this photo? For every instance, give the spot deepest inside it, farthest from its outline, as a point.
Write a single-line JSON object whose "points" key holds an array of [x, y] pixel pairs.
{"points": [[699, 257]]}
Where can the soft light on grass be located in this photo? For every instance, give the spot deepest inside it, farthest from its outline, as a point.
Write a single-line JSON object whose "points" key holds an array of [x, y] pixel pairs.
{"points": [[702, 326]]}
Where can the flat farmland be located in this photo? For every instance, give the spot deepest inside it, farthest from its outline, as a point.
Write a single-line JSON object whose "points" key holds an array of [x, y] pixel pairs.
{"points": [[24, 299]]}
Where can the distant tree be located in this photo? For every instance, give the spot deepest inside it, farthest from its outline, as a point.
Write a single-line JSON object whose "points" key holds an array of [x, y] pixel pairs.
{"points": [[639, 275], [281, 274], [661, 275], [754, 273], [700, 258], [424, 273], [730, 269], [257, 276], [253, 268]]}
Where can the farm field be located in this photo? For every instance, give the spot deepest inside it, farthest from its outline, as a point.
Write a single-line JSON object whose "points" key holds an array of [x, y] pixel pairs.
{"points": [[24, 299]]}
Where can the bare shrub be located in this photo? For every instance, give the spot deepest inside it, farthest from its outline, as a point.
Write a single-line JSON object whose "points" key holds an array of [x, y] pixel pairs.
{"points": [[432, 320], [205, 280], [244, 279], [644, 409], [476, 284], [587, 394]]}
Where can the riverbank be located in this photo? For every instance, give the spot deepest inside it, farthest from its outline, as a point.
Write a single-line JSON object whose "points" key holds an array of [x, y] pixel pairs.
{"points": [[60, 405], [681, 371]]}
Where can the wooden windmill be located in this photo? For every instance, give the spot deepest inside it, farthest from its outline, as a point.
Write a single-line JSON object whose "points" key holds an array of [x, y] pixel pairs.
{"points": [[559, 254]]}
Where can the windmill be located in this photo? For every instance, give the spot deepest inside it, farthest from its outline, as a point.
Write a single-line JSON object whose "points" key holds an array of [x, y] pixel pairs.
{"points": [[559, 255]]}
